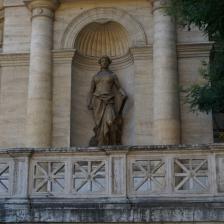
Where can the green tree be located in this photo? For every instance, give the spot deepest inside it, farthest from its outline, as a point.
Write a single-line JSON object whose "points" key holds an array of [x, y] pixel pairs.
{"points": [[208, 16]]}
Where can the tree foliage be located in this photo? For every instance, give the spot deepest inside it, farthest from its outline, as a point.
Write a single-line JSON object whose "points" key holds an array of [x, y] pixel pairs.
{"points": [[208, 16]]}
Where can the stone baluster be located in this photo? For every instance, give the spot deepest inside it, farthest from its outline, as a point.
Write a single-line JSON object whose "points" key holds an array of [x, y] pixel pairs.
{"points": [[39, 104], [166, 121]]}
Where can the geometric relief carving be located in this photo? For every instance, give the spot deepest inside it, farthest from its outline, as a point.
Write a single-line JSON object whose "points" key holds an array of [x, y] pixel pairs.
{"points": [[89, 176], [4, 177], [191, 175], [49, 177], [148, 176]]}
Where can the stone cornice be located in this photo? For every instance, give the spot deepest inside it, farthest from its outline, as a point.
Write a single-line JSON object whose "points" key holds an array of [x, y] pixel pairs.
{"points": [[63, 56], [184, 50], [191, 50], [13, 3], [142, 53], [18, 59], [91, 63], [22, 59], [188, 149]]}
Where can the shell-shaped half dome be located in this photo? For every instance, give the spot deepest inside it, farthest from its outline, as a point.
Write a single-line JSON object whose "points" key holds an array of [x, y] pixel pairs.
{"points": [[97, 39]]}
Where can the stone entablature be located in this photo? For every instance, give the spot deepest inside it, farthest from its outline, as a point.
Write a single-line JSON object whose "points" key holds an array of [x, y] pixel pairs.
{"points": [[150, 178]]}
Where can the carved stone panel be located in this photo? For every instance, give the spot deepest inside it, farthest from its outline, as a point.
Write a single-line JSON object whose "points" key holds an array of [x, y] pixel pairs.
{"points": [[5, 177], [191, 175], [48, 177], [147, 176], [89, 177]]}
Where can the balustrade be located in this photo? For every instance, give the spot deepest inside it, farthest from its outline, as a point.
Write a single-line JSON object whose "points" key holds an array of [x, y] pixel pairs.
{"points": [[113, 172]]}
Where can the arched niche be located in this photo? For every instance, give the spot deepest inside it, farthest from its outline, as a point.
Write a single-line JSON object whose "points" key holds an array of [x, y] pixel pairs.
{"points": [[104, 37], [136, 33]]}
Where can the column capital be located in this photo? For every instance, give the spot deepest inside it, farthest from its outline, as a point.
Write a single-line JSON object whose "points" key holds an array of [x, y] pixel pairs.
{"points": [[42, 4], [158, 4]]}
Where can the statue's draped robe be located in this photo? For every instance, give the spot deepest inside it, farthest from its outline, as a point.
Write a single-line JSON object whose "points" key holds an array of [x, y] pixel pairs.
{"points": [[106, 102]]}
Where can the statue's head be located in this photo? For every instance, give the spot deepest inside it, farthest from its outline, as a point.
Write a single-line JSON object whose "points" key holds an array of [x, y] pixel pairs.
{"points": [[104, 61]]}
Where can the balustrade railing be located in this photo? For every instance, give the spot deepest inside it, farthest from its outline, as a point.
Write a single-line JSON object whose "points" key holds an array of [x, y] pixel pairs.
{"points": [[133, 172]]}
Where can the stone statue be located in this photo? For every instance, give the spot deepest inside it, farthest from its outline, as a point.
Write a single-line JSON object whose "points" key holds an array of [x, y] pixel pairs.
{"points": [[106, 100]]}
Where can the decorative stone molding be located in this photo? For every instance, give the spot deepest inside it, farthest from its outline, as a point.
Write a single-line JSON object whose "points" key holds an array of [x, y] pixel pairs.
{"points": [[42, 7], [158, 4], [12, 3], [20, 59], [63, 56], [133, 27], [191, 50], [91, 63], [142, 53], [186, 50], [42, 12], [48, 4]]}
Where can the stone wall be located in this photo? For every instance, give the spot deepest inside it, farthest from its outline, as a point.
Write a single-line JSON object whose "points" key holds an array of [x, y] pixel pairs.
{"points": [[13, 98], [17, 27], [195, 127], [137, 79], [112, 184]]}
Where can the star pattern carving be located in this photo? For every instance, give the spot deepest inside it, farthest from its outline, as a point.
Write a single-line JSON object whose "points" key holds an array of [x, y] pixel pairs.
{"points": [[4, 177], [191, 174], [89, 176], [49, 177], [148, 175]]}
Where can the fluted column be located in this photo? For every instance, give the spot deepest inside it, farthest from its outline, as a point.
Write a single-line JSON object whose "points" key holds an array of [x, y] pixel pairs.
{"points": [[166, 121], [39, 105]]}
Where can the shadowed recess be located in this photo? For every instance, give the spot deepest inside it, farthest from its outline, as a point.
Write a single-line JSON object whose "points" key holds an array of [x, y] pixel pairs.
{"points": [[107, 38]]}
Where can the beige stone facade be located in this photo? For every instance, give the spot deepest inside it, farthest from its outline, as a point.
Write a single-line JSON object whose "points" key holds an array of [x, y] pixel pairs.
{"points": [[49, 55]]}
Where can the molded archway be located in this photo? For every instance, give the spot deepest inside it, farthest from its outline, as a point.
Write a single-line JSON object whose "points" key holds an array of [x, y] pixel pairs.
{"points": [[134, 28]]}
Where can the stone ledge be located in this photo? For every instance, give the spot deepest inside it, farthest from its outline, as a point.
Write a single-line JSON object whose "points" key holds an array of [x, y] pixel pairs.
{"points": [[191, 50], [48, 212], [13, 3], [120, 148]]}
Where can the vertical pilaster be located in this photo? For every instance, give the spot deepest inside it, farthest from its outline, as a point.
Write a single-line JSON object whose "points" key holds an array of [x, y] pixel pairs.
{"points": [[166, 121], [39, 105]]}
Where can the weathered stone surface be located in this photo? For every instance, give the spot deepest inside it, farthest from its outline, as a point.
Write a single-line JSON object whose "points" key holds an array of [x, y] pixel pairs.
{"points": [[43, 185], [73, 75], [67, 211]]}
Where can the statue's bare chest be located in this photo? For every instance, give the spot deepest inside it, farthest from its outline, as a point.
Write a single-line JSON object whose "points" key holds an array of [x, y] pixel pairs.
{"points": [[104, 79]]}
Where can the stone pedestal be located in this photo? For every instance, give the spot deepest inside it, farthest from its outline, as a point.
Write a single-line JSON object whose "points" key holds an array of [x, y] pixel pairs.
{"points": [[166, 120], [39, 105]]}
